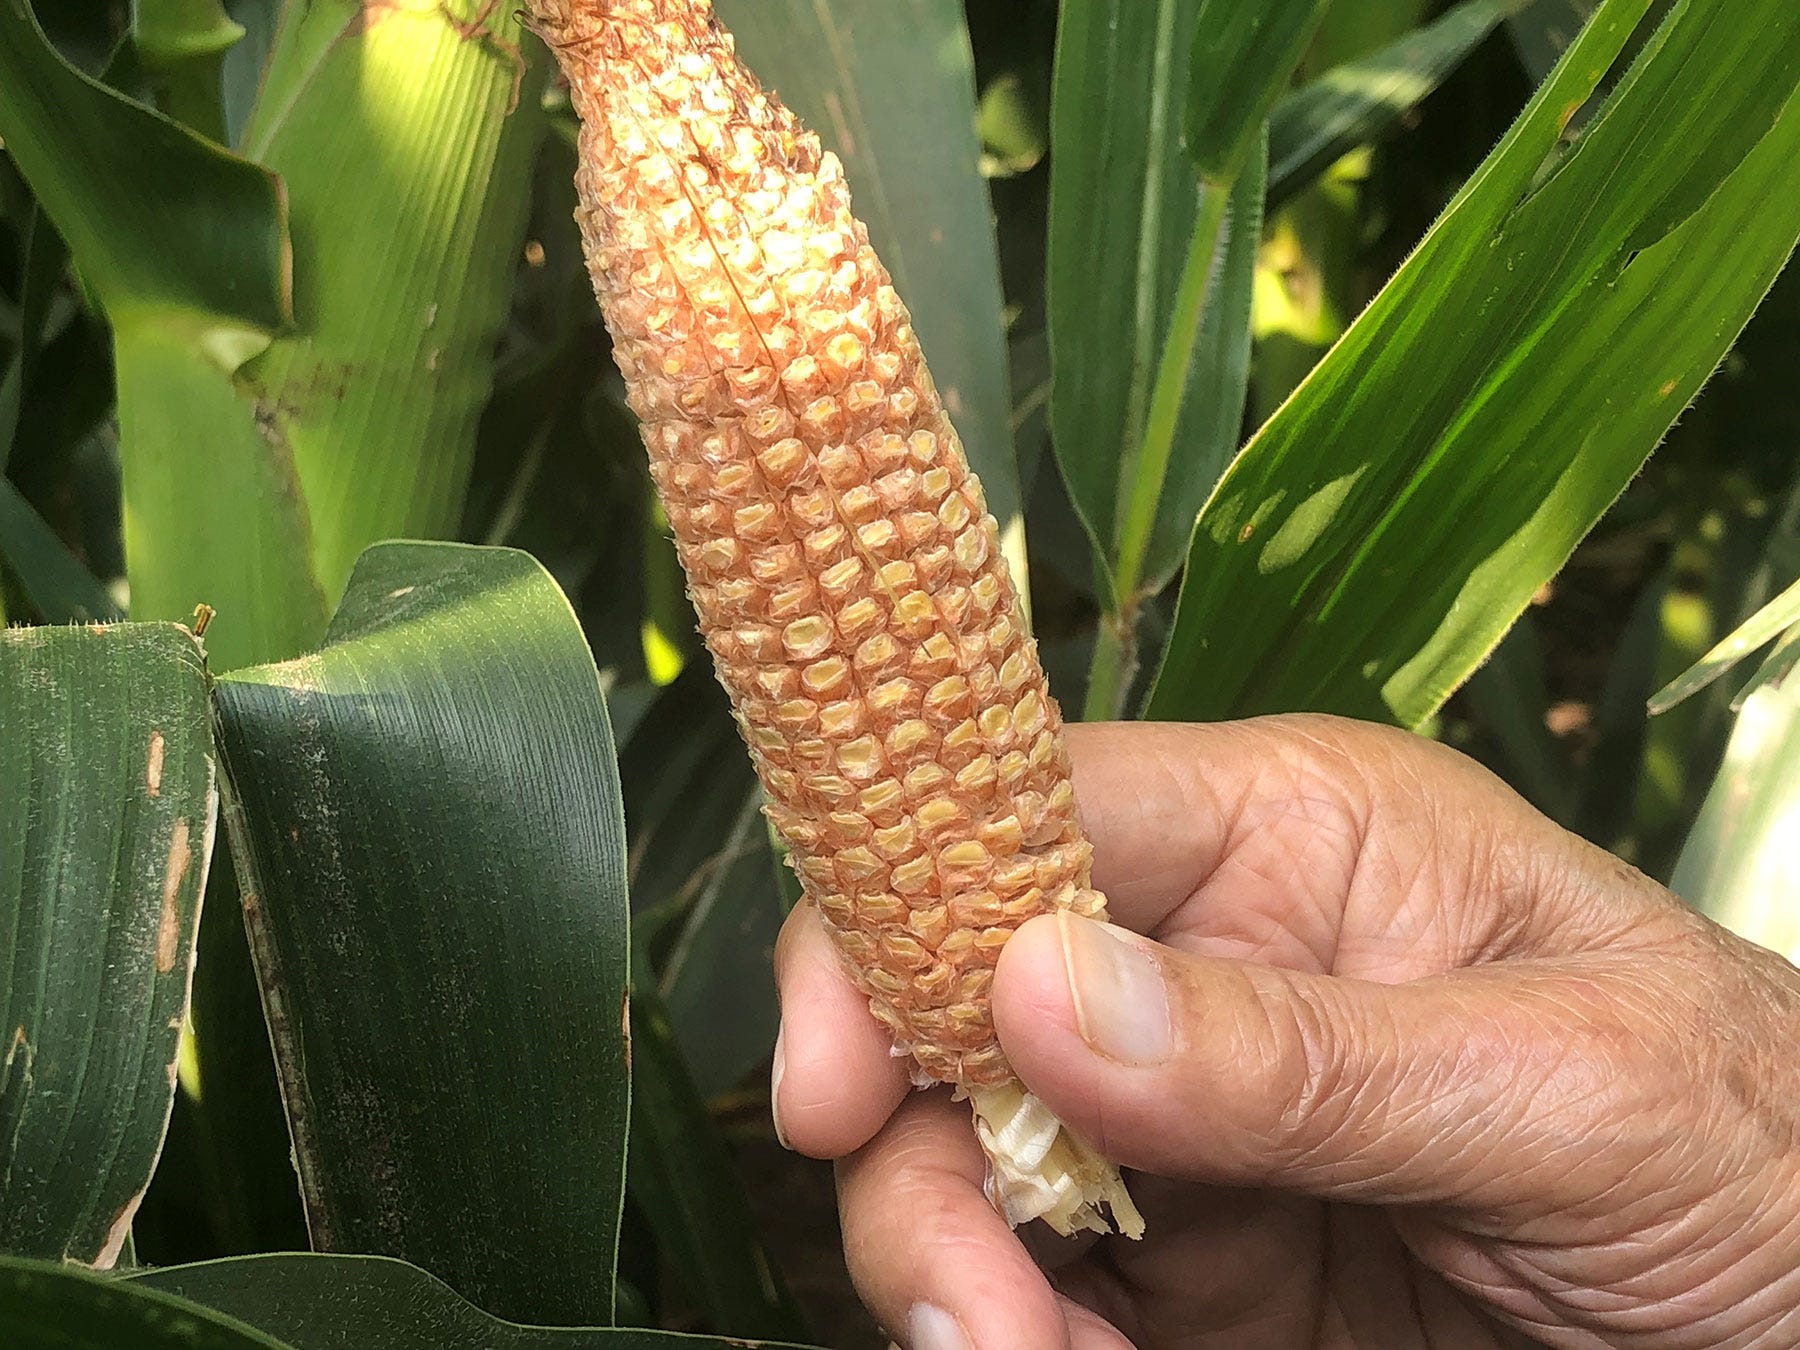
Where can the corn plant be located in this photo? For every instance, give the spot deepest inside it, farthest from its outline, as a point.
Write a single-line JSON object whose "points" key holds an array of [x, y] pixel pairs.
{"points": [[1259, 382]]}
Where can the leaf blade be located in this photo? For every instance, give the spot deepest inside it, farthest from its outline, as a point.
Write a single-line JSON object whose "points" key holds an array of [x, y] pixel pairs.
{"points": [[381, 789], [377, 1303], [107, 772], [1360, 576]]}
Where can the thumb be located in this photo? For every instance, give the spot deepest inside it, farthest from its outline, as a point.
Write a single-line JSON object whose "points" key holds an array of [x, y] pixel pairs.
{"points": [[1454, 1089]]}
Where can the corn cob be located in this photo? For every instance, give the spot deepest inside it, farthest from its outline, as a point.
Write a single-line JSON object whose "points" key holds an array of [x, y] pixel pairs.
{"points": [[846, 573]]}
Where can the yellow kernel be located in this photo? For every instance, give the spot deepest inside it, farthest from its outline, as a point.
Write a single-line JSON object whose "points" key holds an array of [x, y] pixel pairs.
{"points": [[880, 980], [1028, 714], [758, 520], [890, 697], [880, 908], [896, 841], [806, 638], [968, 853], [878, 535], [1002, 836], [1014, 671], [977, 773], [858, 864], [797, 714], [925, 779], [908, 736], [914, 610], [904, 950], [850, 826], [971, 550], [827, 676], [844, 351], [965, 736], [843, 718], [837, 580], [783, 461], [858, 616], [877, 654], [995, 723], [913, 876], [860, 758], [860, 504], [958, 943], [881, 798], [938, 813], [829, 786], [954, 513], [898, 575], [824, 545], [719, 555]]}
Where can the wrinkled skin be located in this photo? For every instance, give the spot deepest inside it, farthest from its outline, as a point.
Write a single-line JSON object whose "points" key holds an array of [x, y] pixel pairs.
{"points": [[1437, 1073]]}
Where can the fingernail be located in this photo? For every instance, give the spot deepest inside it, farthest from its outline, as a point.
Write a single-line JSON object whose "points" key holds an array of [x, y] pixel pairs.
{"points": [[929, 1327], [1121, 1002], [776, 1071]]}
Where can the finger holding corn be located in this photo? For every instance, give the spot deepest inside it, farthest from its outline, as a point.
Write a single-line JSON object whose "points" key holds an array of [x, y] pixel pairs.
{"points": [[847, 576]]}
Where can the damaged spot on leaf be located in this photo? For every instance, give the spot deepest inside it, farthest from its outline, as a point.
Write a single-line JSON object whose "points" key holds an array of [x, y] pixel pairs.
{"points": [[625, 1027], [168, 931], [154, 769]]}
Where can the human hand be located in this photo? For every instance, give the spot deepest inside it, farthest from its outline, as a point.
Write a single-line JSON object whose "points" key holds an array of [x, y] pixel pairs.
{"points": [[1400, 1061]]}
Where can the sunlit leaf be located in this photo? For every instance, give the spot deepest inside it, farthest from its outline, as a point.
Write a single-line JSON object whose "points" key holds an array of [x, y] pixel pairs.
{"points": [[1377, 537], [1768, 623]]}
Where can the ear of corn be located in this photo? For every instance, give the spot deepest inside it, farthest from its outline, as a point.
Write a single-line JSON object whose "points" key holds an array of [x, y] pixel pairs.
{"points": [[846, 573]]}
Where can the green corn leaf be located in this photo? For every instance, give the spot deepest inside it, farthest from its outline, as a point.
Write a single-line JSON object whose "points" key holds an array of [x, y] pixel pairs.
{"points": [[1768, 623], [167, 227], [166, 32], [891, 88], [1373, 542], [1149, 298], [684, 1182], [309, 1301], [52, 578], [107, 806], [376, 1303], [426, 820], [1324, 119], [1739, 865], [1244, 56], [44, 1306]]}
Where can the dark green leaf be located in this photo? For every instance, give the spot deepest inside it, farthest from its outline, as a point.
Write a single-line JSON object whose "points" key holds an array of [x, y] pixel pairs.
{"points": [[51, 1307], [107, 806], [427, 823], [373, 1303], [167, 227], [1331, 115], [718, 975], [1244, 56], [53, 578], [683, 1180], [1373, 542], [891, 88], [1148, 305]]}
